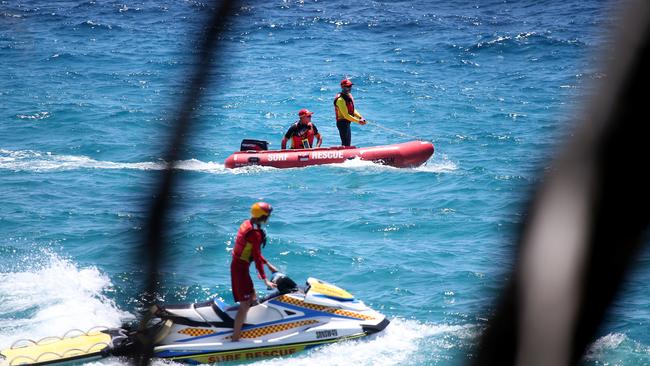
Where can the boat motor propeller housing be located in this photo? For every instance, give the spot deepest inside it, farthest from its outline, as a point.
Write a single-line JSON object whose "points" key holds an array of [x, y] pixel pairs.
{"points": [[254, 145]]}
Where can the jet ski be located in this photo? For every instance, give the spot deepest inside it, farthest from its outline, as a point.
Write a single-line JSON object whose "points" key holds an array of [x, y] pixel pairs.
{"points": [[290, 319]]}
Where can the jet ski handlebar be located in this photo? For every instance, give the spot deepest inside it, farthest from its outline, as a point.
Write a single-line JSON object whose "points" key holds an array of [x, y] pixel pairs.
{"points": [[284, 284]]}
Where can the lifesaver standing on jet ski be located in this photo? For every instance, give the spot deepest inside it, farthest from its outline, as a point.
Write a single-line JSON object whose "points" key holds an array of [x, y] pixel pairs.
{"points": [[302, 133], [248, 247]]}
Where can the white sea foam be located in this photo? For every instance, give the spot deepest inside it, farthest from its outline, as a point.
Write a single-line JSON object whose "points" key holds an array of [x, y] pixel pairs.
{"points": [[617, 346], [443, 165], [54, 298], [38, 115], [401, 343], [29, 160], [433, 165], [358, 163], [602, 344]]}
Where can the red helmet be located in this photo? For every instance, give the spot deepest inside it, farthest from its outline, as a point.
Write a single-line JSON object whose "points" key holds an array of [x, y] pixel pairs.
{"points": [[261, 210], [305, 112], [346, 83]]}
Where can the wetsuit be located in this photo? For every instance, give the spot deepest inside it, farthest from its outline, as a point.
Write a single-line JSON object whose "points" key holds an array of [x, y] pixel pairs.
{"points": [[248, 247], [345, 114], [302, 135]]}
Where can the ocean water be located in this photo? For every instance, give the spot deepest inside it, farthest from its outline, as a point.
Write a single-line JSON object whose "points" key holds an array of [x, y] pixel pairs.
{"points": [[88, 89]]}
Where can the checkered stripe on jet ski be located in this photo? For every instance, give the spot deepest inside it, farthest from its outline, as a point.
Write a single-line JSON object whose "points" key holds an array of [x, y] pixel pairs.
{"points": [[195, 332], [260, 332], [350, 314]]}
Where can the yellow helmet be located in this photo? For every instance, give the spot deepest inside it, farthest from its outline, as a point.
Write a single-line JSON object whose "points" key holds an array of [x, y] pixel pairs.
{"points": [[259, 210]]}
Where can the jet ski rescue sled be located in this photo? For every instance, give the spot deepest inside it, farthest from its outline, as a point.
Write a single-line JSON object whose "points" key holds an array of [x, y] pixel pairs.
{"points": [[404, 155], [289, 320], [75, 345]]}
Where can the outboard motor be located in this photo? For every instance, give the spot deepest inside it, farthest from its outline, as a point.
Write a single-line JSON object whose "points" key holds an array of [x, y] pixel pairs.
{"points": [[255, 145]]}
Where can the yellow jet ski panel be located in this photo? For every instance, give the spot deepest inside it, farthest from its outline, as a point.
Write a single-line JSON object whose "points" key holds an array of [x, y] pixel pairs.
{"points": [[85, 345]]}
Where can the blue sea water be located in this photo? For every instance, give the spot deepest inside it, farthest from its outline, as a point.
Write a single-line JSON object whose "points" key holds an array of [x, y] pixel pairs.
{"points": [[88, 91]]}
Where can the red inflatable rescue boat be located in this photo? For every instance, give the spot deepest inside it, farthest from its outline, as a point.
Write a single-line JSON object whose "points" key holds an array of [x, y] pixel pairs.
{"points": [[408, 154]]}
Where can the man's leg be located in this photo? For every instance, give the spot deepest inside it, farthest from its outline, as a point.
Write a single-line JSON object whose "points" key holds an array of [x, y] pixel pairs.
{"points": [[348, 137], [344, 132], [240, 318]]}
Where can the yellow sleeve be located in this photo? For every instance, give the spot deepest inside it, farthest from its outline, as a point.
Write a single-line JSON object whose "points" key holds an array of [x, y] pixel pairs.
{"points": [[343, 111]]}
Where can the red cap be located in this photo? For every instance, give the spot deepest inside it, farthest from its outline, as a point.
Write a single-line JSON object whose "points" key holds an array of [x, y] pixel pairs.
{"points": [[305, 112], [346, 83]]}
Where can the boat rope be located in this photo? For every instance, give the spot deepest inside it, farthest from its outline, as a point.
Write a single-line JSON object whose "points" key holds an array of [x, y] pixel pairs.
{"points": [[372, 123]]}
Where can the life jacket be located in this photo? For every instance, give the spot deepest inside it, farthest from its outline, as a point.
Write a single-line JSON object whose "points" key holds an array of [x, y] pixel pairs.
{"points": [[304, 140], [349, 102], [242, 248]]}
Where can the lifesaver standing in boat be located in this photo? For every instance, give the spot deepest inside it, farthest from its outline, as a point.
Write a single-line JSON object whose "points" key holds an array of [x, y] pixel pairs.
{"points": [[302, 133], [346, 113]]}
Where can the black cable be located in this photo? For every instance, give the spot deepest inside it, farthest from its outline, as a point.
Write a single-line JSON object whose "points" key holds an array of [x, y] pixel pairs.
{"points": [[153, 252]]}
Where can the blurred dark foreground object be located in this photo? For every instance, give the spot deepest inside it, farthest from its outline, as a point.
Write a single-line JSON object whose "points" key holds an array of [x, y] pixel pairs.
{"points": [[153, 252], [586, 221]]}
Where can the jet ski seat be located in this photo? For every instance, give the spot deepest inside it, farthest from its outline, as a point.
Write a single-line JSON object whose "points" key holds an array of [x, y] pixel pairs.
{"points": [[212, 311]]}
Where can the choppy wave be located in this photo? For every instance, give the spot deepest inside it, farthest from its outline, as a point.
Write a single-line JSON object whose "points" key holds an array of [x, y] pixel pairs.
{"points": [[35, 116], [618, 346], [524, 38], [97, 25], [10, 15], [54, 298], [62, 57], [29, 160]]}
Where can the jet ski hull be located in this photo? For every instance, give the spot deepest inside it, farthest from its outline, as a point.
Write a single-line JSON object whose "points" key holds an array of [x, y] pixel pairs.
{"points": [[246, 354], [280, 325], [408, 154]]}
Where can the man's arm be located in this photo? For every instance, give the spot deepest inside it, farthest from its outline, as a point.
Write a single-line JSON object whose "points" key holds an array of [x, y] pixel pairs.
{"points": [[318, 137], [271, 267], [290, 132], [343, 111], [362, 121], [258, 258], [287, 136], [259, 264]]}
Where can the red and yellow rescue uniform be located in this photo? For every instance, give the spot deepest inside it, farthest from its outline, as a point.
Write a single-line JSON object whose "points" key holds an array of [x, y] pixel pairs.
{"points": [[345, 114], [248, 246], [344, 108], [302, 135]]}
